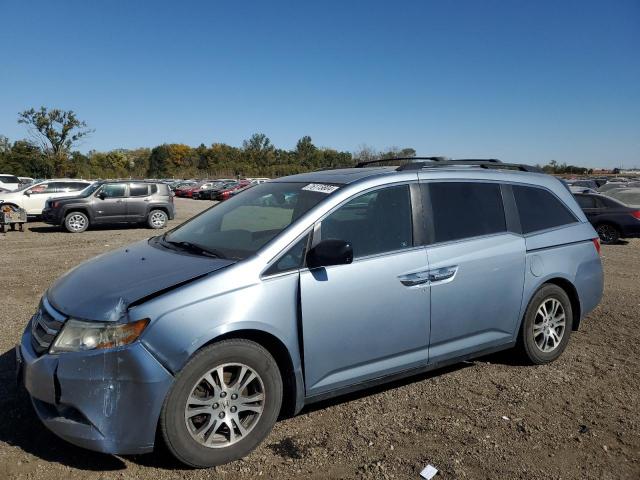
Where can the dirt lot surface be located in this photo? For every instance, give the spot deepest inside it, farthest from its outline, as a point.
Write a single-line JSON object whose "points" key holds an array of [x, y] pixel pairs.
{"points": [[493, 418]]}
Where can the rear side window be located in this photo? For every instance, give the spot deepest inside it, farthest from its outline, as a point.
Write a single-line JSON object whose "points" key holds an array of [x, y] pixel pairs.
{"points": [[44, 188], [375, 222], [70, 186], [138, 190], [154, 189], [465, 209], [539, 209], [585, 201]]}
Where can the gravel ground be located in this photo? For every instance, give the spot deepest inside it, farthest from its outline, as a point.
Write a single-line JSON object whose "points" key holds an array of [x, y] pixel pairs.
{"points": [[492, 418]]}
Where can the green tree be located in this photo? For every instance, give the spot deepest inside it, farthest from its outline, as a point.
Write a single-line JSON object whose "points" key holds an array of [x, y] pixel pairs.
{"points": [[55, 131], [258, 150], [159, 162]]}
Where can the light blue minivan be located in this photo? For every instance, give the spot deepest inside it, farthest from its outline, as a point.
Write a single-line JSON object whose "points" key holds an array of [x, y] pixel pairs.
{"points": [[303, 288]]}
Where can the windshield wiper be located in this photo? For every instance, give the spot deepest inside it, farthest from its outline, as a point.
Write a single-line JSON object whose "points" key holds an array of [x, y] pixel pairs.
{"points": [[194, 248]]}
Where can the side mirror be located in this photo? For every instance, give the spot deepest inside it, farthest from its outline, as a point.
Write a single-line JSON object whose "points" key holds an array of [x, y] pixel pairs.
{"points": [[28, 193], [330, 252], [101, 196]]}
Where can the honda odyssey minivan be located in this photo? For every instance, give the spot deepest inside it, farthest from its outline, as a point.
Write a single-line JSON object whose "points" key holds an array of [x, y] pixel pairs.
{"points": [[304, 288]]}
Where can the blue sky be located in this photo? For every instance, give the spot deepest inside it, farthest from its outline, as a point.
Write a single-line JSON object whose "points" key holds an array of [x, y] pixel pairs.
{"points": [[518, 80]]}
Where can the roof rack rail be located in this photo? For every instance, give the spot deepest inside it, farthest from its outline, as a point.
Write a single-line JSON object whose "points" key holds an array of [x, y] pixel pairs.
{"points": [[491, 163], [418, 163], [366, 163]]}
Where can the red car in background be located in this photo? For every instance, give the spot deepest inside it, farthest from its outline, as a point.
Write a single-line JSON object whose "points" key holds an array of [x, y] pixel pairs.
{"points": [[189, 190], [225, 194]]}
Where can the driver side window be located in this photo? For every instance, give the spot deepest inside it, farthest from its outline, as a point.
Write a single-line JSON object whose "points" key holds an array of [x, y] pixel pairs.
{"points": [[375, 222], [113, 190]]}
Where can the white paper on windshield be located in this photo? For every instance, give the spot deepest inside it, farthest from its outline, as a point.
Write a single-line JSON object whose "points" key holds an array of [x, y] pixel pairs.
{"points": [[320, 187]]}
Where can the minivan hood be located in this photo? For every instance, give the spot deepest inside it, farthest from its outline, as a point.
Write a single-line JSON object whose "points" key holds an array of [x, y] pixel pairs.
{"points": [[100, 288]]}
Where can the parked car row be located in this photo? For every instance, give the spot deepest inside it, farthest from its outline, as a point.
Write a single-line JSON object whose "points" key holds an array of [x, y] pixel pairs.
{"points": [[613, 208], [217, 190]]}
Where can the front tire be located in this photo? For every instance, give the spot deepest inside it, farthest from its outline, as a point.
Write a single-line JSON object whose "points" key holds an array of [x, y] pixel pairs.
{"points": [[76, 222], [223, 404], [546, 326]]}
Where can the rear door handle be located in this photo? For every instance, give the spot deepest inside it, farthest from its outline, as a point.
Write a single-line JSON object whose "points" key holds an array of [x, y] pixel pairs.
{"points": [[441, 274]]}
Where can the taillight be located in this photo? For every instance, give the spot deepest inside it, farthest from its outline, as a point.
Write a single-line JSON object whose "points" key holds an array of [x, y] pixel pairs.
{"points": [[596, 243], [636, 214]]}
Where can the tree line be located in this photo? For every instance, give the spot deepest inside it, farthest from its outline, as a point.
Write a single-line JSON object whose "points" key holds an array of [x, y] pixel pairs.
{"points": [[54, 134]]}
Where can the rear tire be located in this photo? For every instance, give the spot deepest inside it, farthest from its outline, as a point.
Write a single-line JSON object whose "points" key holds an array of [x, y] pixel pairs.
{"points": [[76, 222], [546, 325], [157, 219], [205, 422], [608, 233]]}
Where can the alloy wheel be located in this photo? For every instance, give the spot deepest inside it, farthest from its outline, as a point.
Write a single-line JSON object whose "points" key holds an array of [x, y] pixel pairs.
{"points": [[77, 222], [224, 405], [158, 219], [549, 325], [607, 233]]}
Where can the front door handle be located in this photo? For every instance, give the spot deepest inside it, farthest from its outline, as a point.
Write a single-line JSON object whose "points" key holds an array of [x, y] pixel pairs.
{"points": [[413, 279]]}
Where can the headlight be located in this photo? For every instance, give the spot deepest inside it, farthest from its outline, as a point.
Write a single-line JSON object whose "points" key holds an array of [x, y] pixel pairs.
{"points": [[78, 336]]}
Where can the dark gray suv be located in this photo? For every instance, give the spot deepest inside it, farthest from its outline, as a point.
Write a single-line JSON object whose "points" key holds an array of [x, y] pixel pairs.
{"points": [[112, 202]]}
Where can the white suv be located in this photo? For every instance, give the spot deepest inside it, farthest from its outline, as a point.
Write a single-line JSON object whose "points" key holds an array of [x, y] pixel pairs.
{"points": [[33, 197], [9, 182]]}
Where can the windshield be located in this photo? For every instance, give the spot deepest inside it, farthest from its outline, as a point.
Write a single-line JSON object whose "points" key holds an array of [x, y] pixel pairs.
{"points": [[239, 227], [89, 190]]}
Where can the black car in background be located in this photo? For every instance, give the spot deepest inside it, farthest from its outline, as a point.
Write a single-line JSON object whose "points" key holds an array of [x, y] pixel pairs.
{"points": [[210, 192], [612, 219], [113, 202]]}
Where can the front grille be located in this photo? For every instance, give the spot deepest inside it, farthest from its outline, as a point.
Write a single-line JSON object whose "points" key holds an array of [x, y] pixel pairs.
{"points": [[45, 325]]}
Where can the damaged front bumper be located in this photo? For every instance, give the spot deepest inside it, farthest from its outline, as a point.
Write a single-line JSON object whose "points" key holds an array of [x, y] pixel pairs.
{"points": [[103, 400]]}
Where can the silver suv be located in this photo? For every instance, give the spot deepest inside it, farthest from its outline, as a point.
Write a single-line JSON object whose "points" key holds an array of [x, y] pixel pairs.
{"points": [[304, 288]]}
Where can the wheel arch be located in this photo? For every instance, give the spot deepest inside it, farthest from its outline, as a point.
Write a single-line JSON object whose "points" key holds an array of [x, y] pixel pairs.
{"points": [[608, 221], [162, 208], [76, 208], [572, 293], [280, 354]]}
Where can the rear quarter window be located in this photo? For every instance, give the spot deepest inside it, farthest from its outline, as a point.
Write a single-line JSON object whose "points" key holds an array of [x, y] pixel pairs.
{"points": [[539, 209]]}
